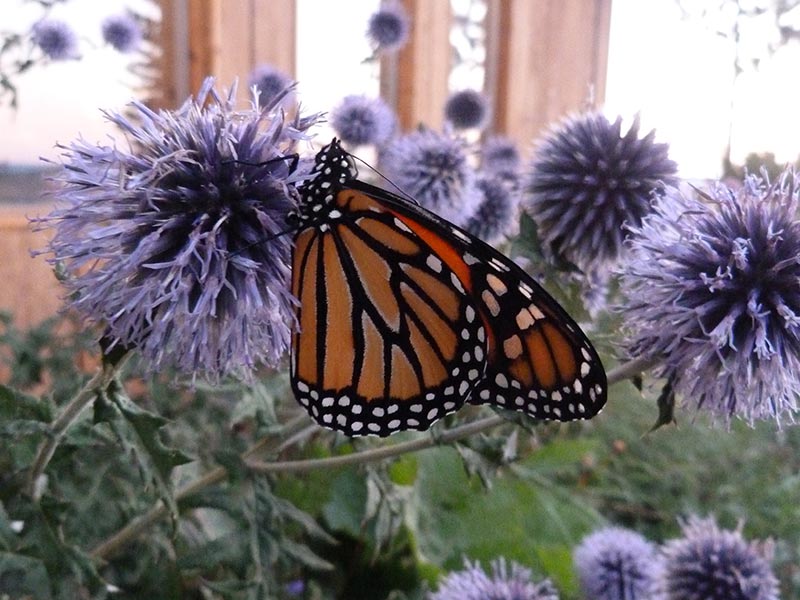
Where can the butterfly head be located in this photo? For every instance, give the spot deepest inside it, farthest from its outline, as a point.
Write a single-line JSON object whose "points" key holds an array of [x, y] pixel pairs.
{"points": [[333, 168]]}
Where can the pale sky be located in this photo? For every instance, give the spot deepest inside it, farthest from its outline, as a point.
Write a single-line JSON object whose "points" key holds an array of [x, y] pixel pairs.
{"points": [[676, 75]]}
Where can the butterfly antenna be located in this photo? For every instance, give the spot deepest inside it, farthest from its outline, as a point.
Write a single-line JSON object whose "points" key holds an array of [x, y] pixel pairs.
{"points": [[403, 193]]}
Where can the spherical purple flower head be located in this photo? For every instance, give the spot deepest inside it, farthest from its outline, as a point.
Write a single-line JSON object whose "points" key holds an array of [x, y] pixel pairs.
{"points": [[713, 293], [172, 244], [587, 180], [432, 168], [496, 214], [616, 564], [271, 84], [122, 32], [500, 156], [360, 120], [467, 109], [710, 563], [388, 27], [55, 38], [505, 583]]}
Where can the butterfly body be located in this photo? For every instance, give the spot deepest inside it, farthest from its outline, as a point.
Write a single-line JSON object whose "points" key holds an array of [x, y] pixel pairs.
{"points": [[404, 317]]}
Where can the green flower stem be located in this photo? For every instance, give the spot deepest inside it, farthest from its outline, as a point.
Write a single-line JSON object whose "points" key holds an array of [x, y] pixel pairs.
{"points": [[622, 372], [297, 429], [69, 414], [134, 529]]}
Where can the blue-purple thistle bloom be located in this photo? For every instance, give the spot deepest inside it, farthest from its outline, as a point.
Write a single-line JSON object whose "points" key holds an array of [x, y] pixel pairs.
{"points": [[587, 180], [496, 214], [467, 109], [176, 244], [361, 120], [500, 156], [55, 39], [122, 32], [710, 563], [432, 168], [616, 564], [712, 290], [506, 582], [388, 28], [271, 83]]}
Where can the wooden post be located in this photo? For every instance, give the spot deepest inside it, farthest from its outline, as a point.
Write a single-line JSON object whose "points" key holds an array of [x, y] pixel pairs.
{"points": [[225, 39], [550, 57], [422, 66]]}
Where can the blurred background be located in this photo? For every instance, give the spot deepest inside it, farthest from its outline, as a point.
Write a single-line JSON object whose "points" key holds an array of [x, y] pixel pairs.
{"points": [[714, 78]]}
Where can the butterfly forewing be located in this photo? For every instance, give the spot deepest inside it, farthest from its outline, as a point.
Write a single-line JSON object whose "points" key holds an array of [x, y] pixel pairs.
{"points": [[388, 338]]}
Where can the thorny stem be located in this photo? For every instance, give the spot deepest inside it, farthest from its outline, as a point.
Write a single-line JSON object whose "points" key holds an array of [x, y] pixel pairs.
{"points": [[69, 414], [297, 429]]}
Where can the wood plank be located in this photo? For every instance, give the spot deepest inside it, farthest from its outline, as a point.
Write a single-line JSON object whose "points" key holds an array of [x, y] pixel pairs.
{"points": [[423, 66], [551, 59], [275, 34]]}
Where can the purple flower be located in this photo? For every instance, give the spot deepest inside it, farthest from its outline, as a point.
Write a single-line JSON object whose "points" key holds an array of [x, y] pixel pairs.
{"points": [[496, 214], [616, 564], [361, 120], [432, 168], [388, 27], [175, 242], [587, 180], [712, 289], [55, 38], [122, 32], [467, 109], [500, 156], [273, 86], [709, 563], [505, 583]]}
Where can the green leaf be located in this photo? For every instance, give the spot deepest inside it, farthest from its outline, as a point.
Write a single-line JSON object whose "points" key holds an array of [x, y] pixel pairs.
{"points": [[138, 431], [22, 576], [14, 406], [345, 510], [452, 516]]}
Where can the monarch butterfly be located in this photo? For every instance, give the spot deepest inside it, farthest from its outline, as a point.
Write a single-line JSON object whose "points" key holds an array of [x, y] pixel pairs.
{"points": [[403, 317]]}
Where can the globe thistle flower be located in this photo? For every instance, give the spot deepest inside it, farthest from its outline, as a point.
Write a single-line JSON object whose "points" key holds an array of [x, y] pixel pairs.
{"points": [[432, 168], [713, 295], [271, 84], [505, 583], [122, 32], [587, 180], [616, 564], [710, 563], [467, 109], [360, 120], [55, 39], [500, 156], [176, 245], [496, 215], [388, 27]]}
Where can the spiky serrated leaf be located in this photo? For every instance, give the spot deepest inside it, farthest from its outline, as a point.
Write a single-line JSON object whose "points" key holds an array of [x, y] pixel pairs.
{"points": [[138, 431], [16, 405], [23, 577], [304, 555]]}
